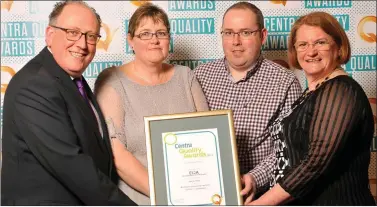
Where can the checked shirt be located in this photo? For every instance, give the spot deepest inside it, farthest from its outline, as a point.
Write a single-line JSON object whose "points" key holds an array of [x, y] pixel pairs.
{"points": [[267, 90]]}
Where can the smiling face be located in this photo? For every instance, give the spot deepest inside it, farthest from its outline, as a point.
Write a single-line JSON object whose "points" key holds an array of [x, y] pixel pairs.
{"points": [[152, 51], [73, 56], [242, 53], [316, 63]]}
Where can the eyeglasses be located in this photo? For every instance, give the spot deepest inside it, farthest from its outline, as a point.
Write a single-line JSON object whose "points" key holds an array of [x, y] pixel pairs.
{"points": [[149, 35], [321, 44], [244, 34], [74, 35]]}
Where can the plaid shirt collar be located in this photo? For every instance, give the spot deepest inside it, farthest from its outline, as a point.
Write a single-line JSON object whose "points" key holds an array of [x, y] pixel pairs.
{"points": [[252, 69]]}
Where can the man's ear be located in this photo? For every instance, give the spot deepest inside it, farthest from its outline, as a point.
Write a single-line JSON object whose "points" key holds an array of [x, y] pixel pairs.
{"points": [[49, 35], [264, 35]]}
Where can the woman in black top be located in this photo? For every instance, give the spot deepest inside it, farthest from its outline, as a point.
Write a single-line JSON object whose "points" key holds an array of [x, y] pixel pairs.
{"points": [[322, 145]]}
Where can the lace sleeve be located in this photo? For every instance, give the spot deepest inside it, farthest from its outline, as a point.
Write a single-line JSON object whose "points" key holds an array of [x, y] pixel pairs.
{"points": [[335, 114], [111, 104]]}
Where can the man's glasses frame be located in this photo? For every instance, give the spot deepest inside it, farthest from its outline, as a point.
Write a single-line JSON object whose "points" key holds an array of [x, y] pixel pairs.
{"points": [[74, 35], [244, 34]]}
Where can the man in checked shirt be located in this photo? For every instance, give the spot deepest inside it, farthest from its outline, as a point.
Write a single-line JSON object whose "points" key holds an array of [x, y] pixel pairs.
{"points": [[255, 89]]}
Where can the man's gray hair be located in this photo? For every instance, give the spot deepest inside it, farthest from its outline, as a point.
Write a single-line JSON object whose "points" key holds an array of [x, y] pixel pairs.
{"points": [[58, 8]]}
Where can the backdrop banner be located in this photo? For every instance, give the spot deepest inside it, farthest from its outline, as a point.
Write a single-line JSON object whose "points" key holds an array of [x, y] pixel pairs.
{"points": [[195, 39]]}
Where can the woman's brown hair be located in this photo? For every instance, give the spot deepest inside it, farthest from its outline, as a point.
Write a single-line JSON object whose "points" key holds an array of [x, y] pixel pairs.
{"points": [[330, 26]]}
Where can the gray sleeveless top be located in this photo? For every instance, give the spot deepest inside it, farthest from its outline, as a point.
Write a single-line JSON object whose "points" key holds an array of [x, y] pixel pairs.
{"points": [[182, 93]]}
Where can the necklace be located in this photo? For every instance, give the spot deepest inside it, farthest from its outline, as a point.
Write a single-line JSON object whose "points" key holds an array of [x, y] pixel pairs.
{"points": [[323, 81], [308, 92]]}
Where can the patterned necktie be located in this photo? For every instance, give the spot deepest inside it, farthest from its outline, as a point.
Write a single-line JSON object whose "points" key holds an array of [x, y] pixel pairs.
{"points": [[80, 86]]}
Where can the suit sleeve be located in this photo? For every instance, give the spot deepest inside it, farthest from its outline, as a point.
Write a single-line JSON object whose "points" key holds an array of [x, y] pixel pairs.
{"points": [[43, 120]]}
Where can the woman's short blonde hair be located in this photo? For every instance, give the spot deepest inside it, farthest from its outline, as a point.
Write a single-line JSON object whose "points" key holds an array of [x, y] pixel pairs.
{"points": [[330, 26], [147, 10]]}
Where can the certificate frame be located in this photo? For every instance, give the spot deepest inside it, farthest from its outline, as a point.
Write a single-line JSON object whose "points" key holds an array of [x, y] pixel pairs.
{"points": [[222, 121]]}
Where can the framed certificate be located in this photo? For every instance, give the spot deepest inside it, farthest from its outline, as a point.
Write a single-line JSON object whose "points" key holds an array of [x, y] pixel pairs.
{"points": [[192, 159]]}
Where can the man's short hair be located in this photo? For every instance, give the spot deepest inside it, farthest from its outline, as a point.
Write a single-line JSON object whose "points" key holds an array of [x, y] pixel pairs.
{"points": [[251, 7]]}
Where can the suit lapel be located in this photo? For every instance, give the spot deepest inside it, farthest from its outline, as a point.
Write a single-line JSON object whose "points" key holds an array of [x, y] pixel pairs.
{"points": [[63, 78], [105, 133]]}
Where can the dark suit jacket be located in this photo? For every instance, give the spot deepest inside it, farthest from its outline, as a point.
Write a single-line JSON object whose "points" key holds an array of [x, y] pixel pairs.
{"points": [[53, 152]]}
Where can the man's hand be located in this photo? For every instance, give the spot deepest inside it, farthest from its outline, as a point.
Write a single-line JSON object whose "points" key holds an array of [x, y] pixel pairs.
{"points": [[250, 186]]}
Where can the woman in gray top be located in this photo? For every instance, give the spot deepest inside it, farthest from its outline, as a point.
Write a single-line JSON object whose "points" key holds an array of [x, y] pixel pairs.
{"points": [[144, 87]]}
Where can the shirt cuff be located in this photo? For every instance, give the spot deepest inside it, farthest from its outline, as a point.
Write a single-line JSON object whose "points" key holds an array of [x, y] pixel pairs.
{"points": [[260, 177]]}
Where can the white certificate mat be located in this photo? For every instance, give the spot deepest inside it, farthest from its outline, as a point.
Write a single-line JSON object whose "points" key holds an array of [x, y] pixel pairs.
{"points": [[193, 167]]}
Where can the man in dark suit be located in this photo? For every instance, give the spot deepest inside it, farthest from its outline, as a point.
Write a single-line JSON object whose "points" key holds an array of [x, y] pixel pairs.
{"points": [[56, 149]]}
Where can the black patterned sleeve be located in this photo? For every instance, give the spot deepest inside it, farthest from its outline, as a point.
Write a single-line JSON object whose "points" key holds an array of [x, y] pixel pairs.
{"points": [[335, 115]]}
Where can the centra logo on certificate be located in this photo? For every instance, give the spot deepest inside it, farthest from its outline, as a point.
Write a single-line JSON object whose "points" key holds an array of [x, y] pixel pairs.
{"points": [[193, 168]]}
